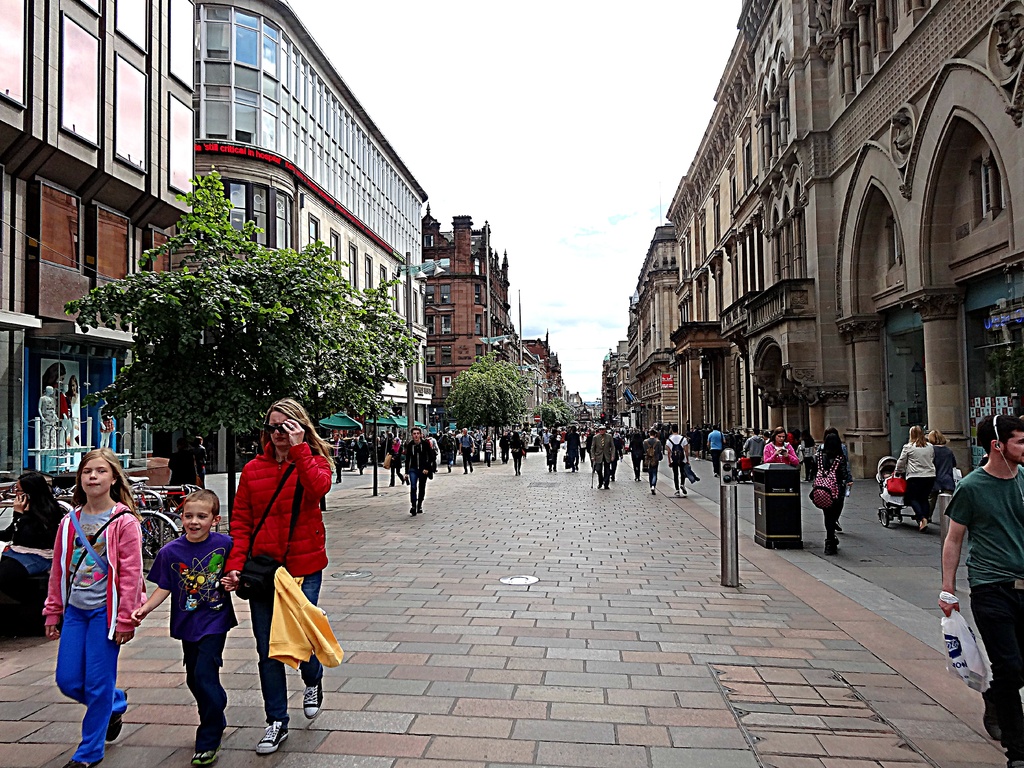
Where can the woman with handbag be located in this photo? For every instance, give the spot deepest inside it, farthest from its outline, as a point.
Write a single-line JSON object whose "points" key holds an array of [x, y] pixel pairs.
{"points": [[277, 520], [917, 464]]}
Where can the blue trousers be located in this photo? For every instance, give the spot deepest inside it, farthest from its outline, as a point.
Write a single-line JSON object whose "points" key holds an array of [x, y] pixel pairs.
{"points": [[653, 475], [417, 486], [203, 660], [87, 673], [272, 680]]}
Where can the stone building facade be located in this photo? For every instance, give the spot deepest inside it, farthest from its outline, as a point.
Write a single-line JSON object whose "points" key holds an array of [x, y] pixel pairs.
{"points": [[465, 304], [654, 317], [300, 156], [95, 142], [850, 247]]}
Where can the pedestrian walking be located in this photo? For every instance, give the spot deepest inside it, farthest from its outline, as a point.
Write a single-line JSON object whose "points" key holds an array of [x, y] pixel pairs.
{"points": [[340, 455], [189, 570], [95, 585], [636, 453], [917, 464], [653, 454], [200, 453], [362, 452], [715, 443], [421, 464], [779, 450], [277, 515], [989, 506], [517, 447], [552, 447], [395, 452], [182, 464], [808, 454], [678, 448], [447, 444], [488, 447], [753, 448], [503, 446], [572, 450], [620, 447], [602, 454], [466, 446], [831, 479], [945, 463]]}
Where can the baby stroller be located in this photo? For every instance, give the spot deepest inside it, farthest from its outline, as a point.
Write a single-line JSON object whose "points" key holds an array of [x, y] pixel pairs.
{"points": [[743, 471], [892, 505]]}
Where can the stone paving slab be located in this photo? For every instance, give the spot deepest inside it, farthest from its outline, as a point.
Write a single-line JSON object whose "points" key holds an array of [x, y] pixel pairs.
{"points": [[627, 651]]}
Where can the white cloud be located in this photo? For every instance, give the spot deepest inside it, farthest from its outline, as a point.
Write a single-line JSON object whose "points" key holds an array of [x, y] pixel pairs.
{"points": [[565, 124]]}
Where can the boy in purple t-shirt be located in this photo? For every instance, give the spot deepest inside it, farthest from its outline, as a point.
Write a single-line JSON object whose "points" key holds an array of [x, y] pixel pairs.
{"points": [[190, 569]]}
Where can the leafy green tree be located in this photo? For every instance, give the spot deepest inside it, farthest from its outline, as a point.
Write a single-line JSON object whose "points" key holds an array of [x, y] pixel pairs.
{"points": [[235, 325], [555, 413], [490, 393]]}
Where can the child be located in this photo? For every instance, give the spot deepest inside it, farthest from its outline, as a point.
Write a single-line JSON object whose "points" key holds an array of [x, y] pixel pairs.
{"points": [[95, 585], [190, 568]]}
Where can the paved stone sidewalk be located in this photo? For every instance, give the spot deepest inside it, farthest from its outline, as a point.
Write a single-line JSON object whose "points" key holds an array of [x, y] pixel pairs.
{"points": [[626, 653]]}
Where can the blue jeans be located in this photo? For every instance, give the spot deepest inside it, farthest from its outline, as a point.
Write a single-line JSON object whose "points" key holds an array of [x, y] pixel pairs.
{"points": [[203, 660], [87, 673], [417, 486], [272, 679], [652, 473]]}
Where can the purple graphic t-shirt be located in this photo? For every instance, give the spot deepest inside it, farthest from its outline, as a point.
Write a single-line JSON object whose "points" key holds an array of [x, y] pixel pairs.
{"points": [[192, 572]]}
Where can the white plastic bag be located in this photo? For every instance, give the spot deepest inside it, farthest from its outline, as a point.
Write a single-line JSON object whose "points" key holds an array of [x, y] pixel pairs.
{"points": [[963, 656]]}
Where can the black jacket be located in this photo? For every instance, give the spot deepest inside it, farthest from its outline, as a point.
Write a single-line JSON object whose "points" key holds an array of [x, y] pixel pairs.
{"points": [[30, 531], [420, 457]]}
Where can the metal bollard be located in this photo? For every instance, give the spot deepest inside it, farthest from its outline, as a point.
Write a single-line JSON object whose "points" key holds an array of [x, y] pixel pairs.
{"points": [[730, 536]]}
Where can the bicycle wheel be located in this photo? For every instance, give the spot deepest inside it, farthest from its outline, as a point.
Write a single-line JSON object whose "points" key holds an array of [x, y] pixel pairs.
{"points": [[157, 530]]}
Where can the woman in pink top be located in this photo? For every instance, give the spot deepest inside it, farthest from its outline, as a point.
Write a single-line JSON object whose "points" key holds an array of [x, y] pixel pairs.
{"points": [[779, 450]]}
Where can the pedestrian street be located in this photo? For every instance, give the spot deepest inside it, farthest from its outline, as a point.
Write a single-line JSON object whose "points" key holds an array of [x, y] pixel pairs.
{"points": [[626, 652]]}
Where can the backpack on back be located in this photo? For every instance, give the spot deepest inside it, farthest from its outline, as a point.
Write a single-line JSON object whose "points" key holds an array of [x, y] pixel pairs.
{"points": [[678, 452], [650, 452], [825, 490]]}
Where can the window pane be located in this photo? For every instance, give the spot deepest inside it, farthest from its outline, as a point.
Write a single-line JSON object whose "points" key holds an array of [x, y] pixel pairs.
{"points": [[218, 74], [182, 146], [246, 20], [247, 46], [183, 40], [259, 212], [269, 56], [245, 123], [131, 21], [218, 117], [12, 49], [80, 82], [284, 221], [268, 136], [270, 88], [247, 78], [236, 194], [111, 245], [218, 41], [130, 115], [58, 227], [215, 13]]}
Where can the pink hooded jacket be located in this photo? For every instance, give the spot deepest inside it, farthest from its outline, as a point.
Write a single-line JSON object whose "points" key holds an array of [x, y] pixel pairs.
{"points": [[126, 590]]}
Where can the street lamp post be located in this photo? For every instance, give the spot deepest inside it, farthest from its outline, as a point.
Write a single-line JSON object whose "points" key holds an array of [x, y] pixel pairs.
{"points": [[424, 270]]}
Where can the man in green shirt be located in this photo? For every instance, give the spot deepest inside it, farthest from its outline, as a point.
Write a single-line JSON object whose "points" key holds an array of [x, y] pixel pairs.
{"points": [[989, 504]]}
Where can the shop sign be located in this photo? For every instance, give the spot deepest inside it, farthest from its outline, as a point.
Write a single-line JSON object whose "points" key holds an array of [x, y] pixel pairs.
{"points": [[446, 381], [1004, 319], [668, 381]]}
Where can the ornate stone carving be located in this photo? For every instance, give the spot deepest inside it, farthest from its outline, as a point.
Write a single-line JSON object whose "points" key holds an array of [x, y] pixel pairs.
{"points": [[901, 134], [937, 306], [860, 329], [1006, 42], [825, 396]]}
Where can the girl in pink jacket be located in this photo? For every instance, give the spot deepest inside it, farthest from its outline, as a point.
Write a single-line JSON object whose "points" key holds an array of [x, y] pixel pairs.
{"points": [[95, 585], [779, 450]]}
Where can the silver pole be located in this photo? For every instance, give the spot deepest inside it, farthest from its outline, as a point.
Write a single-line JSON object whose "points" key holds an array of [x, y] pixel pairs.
{"points": [[730, 537]]}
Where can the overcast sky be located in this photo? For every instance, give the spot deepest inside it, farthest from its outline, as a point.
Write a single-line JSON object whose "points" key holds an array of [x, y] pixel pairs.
{"points": [[566, 124]]}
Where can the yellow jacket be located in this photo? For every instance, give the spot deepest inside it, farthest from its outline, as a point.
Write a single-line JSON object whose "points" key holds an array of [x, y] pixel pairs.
{"points": [[300, 629]]}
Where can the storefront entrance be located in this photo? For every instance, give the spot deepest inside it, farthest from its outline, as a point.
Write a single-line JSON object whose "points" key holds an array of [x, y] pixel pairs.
{"points": [[904, 362]]}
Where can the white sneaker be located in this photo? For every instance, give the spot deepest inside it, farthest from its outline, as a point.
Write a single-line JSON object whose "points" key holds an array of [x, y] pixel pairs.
{"points": [[276, 733], [678, 493], [312, 700]]}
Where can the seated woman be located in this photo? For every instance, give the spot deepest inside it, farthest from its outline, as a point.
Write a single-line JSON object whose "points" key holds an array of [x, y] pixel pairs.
{"points": [[31, 535]]}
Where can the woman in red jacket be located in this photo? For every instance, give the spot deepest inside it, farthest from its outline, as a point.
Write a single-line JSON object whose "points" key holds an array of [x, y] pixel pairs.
{"points": [[293, 456]]}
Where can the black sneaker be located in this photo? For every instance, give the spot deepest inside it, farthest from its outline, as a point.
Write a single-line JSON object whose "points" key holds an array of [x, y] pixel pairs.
{"points": [[276, 733], [114, 726], [312, 700], [412, 510], [991, 721]]}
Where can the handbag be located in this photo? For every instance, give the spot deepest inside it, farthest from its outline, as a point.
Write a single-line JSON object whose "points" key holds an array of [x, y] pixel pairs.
{"points": [[387, 461], [256, 579], [896, 486]]}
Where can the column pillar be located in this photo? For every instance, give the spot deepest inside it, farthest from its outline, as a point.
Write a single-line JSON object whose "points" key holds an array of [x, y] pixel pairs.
{"points": [[944, 374], [864, 32], [867, 440], [847, 68], [882, 28], [918, 9]]}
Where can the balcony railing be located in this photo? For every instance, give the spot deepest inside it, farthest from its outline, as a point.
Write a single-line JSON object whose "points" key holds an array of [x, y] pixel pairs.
{"points": [[787, 299]]}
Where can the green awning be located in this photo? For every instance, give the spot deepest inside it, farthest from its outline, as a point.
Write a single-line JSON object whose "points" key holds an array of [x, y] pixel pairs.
{"points": [[400, 421], [340, 421], [385, 421]]}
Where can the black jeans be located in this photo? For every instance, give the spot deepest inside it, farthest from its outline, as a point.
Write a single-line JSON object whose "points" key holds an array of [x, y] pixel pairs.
{"points": [[678, 476], [916, 497], [832, 514], [637, 465], [517, 461], [203, 660], [716, 456], [999, 613], [604, 473]]}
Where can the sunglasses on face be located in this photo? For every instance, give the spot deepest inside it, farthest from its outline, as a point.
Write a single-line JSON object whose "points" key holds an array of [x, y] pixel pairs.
{"points": [[271, 428]]}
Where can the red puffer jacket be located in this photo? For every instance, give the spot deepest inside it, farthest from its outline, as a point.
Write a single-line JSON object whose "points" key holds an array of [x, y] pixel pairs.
{"points": [[307, 553]]}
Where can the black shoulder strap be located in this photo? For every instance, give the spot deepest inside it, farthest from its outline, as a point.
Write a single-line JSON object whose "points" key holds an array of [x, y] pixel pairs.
{"points": [[280, 485]]}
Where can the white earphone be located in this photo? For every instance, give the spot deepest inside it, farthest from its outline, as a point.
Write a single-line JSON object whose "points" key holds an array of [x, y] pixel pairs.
{"points": [[995, 427]]}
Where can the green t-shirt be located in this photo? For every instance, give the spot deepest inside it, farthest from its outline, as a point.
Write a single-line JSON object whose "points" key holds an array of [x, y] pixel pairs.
{"points": [[993, 511]]}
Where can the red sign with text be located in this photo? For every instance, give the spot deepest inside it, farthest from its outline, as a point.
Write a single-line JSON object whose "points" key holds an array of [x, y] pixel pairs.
{"points": [[668, 381]]}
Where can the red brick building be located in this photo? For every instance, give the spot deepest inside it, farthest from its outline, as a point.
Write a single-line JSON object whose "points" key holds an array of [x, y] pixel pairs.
{"points": [[466, 303]]}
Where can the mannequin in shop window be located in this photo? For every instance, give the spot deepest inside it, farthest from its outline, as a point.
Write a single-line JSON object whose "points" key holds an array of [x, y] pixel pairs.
{"points": [[48, 418]]}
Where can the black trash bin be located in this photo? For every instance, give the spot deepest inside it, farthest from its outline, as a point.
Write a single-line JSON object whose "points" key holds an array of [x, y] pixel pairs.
{"points": [[777, 507]]}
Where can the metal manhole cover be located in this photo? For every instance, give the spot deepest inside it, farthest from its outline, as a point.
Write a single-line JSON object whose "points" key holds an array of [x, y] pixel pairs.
{"points": [[351, 575], [519, 581]]}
